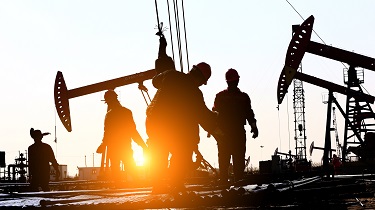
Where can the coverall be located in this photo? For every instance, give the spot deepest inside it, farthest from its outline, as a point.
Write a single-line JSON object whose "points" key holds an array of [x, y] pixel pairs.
{"points": [[174, 116], [40, 155], [234, 108], [119, 130]]}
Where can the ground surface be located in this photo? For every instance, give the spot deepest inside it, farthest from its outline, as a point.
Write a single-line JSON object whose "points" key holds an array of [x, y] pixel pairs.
{"points": [[340, 192]]}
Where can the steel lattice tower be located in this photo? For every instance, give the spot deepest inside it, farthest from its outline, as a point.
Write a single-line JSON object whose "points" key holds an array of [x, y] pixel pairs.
{"points": [[299, 118], [359, 113], [299, 114], [334, 122]]}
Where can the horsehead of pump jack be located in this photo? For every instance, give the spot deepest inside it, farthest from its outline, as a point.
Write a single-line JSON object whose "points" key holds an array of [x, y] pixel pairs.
{"points": [[300, 44], [62, 94]]}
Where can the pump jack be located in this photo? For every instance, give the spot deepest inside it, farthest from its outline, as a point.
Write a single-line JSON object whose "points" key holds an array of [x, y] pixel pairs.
{"points": [[62, 94], [300, 44]]}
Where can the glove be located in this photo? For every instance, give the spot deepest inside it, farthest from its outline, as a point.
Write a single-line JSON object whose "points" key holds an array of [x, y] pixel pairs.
{"points": [[218, 134], [254, 130]]}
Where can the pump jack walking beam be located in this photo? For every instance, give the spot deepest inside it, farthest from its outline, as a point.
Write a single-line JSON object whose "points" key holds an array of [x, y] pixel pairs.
{"points": [[62, 94], [300, 44]]}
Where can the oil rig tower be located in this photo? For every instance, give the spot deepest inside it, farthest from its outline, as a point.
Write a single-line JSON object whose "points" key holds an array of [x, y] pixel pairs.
{"points": [[359, 114], [299, 115]]}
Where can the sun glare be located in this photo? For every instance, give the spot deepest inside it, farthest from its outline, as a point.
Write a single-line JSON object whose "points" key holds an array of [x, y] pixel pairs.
{"points": [[139, 158]]}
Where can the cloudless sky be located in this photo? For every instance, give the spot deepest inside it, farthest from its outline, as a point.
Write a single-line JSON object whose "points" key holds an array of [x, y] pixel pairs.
{"points": [[93, 41]]}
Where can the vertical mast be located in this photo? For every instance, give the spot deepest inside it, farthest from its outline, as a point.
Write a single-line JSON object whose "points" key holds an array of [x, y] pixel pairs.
{"points": [[299, 114], [338, 145]]}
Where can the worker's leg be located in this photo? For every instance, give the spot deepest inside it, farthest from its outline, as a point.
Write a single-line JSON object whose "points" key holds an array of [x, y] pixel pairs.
{"points": [[224, 160], [158, 164], [114, 155], [129, 166], [45, 185], [34, 184], [238, 155], [181, 164]]}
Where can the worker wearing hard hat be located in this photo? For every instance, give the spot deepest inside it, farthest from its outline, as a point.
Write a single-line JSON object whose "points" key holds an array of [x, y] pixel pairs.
{"points": [[40, 155], [119, 130], [174, 116], [234, 109]]}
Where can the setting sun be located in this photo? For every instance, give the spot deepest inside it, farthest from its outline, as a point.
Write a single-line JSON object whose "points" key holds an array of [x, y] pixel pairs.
{"points": [[139, 158]]}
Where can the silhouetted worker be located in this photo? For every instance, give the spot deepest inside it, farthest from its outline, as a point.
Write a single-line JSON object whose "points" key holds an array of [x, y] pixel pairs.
{"points": [[40, 156], [158, 146], [234, 109], [174, 116], [119, 130]]}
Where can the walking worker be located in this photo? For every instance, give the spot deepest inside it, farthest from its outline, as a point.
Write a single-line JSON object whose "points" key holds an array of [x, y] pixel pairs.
{"points": [[40, 155], [234, 109], [119, 130]]}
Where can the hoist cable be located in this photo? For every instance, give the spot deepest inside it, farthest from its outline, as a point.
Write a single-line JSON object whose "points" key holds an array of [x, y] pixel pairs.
{"points": [[312, 29], [148, 96], [157, 15], [144, 89], [170, 29], [304, 20], [177, 23], [186, 46], [144, 97], [177, 28], [278, 117]]}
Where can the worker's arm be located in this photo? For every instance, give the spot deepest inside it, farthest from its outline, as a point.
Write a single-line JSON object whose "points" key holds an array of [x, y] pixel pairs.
{"points": [[135, 134], [163, 62], [54, 163], [207, 118], [250, 117], [139, 140], [162, 47]]}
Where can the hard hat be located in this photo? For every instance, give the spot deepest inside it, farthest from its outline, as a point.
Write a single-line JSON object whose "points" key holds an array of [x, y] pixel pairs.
{"points": [[110, 95], [37, 134], [232, 75], [205, 69]]}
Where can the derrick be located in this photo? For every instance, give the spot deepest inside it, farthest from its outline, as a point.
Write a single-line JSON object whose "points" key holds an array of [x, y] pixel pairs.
{"points": [[299, 45]]}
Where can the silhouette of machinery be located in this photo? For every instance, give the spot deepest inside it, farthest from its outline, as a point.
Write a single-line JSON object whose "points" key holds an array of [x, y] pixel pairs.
{"points": [[312, 147], [358, 108], [18, 170], [62, 94]]}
